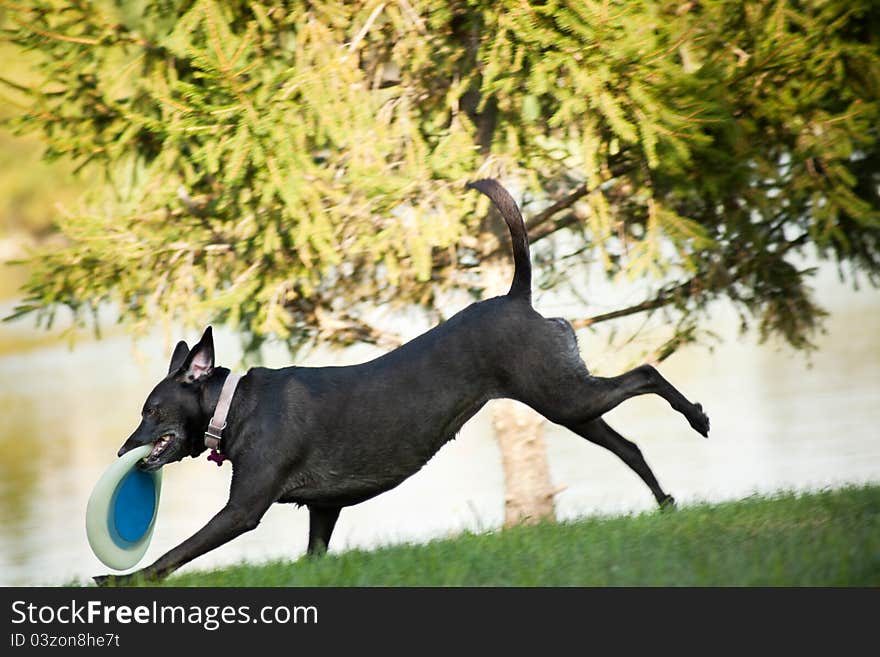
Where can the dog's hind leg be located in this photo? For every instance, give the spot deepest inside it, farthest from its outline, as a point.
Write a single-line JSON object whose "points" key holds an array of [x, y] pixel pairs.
{"points": [[551, 377], [643, 380], [322, 520], [599, 432], [568, 396]]}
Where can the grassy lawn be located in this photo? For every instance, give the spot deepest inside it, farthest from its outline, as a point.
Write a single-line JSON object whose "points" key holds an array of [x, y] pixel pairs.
{"points": [[829, 538]]}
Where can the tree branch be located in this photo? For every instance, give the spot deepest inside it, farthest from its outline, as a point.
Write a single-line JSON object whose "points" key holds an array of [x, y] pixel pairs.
{"points": [[662, 299], [543, 231], [618, 168], [345, 329], [17, 87], [565, 202]]}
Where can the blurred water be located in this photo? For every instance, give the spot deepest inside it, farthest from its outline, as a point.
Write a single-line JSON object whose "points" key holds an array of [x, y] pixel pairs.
{"points": [[777, 423]]}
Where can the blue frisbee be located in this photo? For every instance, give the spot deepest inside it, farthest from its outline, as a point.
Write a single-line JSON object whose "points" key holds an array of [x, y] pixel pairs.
{"points": [[122, 509]]}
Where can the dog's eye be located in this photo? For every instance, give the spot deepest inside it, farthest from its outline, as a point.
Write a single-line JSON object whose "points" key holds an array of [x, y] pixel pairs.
{"points": [[151, 412]]}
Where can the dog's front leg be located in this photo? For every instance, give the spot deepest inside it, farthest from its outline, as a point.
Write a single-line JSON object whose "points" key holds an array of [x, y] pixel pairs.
{"points": [[242, 513], [231, 521]]}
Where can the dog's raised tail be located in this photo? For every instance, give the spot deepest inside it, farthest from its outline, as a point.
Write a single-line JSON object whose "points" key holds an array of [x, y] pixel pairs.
{"points": [[522, 274]]}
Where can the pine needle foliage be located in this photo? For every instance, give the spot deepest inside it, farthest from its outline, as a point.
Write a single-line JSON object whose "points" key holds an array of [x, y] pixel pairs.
{"points": [[285, 167]]}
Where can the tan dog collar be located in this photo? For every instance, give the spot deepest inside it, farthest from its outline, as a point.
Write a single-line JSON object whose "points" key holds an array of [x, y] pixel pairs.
{"points": [[218, 422]]}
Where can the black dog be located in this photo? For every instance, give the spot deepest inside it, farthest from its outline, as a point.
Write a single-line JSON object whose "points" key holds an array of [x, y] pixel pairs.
{"points": [[331, 437]]}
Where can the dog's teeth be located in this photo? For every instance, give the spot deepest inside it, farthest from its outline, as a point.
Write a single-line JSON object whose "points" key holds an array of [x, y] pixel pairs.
{"points": [[160, 445]]}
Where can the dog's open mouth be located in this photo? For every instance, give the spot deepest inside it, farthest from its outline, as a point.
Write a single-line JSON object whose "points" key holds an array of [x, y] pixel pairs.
{"points": [[159, 448]]}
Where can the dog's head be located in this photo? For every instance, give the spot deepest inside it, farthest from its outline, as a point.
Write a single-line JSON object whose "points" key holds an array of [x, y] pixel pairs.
{"points": [[173, 418]]}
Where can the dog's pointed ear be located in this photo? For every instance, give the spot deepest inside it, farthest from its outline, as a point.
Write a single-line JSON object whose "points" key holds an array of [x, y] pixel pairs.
{"points": [[199, 361], [181, 351]]}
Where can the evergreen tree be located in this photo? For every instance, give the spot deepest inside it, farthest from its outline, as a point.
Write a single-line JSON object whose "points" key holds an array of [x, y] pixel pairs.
{"points": [[285, 167], [269, 159]]}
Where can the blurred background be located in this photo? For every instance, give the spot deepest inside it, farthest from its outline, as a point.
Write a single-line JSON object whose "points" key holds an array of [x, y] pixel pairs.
{"points": [[725, 151]]}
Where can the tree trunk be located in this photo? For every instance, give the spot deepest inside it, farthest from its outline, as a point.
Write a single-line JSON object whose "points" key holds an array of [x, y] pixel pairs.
{"points": [[528, 495]]}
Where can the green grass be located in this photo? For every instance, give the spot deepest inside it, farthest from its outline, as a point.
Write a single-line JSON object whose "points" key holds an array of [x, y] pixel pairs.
{"points": [[828, 538]]}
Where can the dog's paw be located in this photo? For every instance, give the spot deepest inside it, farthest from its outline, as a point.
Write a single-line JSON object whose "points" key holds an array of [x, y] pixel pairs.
{"points": [[103, 580], [667, 503], [111, 580], [699, 420]]}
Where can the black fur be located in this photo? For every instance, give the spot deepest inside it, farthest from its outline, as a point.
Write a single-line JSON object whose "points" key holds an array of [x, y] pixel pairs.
{"points": [[331, 437]]}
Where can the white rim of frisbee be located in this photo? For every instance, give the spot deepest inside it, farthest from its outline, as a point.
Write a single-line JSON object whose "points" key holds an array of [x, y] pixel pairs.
{"points": [[98, 510]]}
